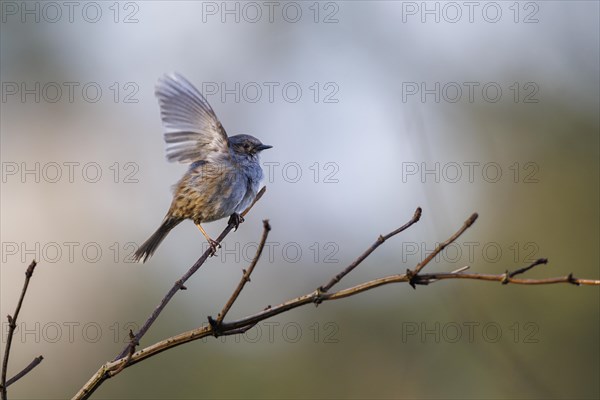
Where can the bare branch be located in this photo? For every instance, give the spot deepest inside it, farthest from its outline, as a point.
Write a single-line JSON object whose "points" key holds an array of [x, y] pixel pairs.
{"points": [[522, 270], [425, 279], [367, 253], [12, 325], [470, 221], [242, 325], [246, 274], [246, 323]]}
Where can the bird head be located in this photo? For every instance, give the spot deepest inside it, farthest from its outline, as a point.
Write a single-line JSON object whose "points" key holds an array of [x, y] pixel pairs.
{"points": [[246, 145]]}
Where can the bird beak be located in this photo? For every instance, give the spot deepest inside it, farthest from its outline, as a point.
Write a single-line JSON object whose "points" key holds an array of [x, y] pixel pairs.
{"points": [[263, 147]]}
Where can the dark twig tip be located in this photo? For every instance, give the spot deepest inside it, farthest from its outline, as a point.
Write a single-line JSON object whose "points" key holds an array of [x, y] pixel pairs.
{"points": [[418, 213], [472, 219], [29, 271], [266, 224]]}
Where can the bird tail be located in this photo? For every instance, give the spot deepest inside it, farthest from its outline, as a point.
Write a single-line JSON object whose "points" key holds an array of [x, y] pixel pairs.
{"points": [[149, 247]]}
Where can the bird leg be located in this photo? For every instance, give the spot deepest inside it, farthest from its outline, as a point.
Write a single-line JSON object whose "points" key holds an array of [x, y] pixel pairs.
{"points": [[212, 243], [236, 219]]}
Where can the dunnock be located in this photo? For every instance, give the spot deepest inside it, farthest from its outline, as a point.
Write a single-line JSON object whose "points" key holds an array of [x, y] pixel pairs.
{"points": [[224, 172]]}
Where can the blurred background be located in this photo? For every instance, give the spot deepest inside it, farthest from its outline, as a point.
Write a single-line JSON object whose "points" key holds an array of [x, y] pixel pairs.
{"points": [[373, 109]]}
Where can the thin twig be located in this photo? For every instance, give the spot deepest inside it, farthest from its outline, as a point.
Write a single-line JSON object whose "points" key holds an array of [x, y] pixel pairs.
{"points": [[12, 325], [425, 279], [246, 275], [374, 246], [132, 345], [179, 284], [238, 331], [525, 269], [36, 361], [443, 245]]}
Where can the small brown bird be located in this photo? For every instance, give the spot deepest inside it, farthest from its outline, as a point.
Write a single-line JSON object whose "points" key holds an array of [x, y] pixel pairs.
{"points": [[224, 173]]}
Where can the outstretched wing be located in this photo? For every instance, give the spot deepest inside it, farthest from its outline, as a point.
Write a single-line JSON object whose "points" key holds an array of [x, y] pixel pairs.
{"points": [[192, 130]]}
